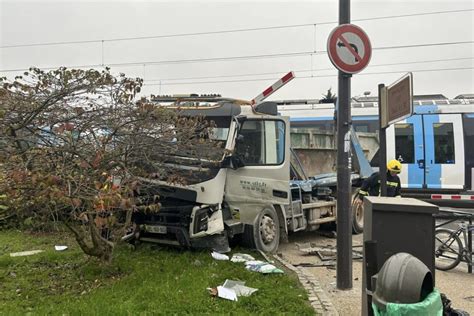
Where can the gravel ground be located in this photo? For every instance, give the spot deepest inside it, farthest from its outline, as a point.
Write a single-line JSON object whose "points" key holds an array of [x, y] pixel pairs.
{"points": [[457, 284]]}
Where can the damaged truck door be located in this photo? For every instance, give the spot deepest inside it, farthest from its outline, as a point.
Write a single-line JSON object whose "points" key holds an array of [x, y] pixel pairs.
{"points": [[259, 190]]}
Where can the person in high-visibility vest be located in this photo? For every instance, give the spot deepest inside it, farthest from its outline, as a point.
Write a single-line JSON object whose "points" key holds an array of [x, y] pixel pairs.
{"points": [[371, 185]]}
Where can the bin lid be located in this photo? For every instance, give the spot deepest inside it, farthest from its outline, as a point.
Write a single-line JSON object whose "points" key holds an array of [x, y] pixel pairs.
{"points": [[394, 204], [403, 278]]}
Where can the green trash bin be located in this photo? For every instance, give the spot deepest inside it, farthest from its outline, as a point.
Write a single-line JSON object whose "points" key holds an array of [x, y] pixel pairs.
{"points": [[430, 306], [403, 287]]}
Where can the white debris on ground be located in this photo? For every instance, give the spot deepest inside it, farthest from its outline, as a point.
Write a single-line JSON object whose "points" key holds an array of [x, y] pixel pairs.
{"points": [[262, 267], [231, 290], [25, 253], [241, 257], [219, 256]]}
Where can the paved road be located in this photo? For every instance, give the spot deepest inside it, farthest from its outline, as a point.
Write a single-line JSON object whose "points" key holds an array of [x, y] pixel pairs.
{"points": [[447, 210], [456, 283]]}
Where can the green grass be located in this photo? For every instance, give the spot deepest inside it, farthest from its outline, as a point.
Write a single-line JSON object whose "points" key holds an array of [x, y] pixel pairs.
{"points": [[148, 280]]}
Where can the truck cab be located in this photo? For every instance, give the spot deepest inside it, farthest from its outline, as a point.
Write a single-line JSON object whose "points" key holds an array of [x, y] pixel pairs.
{"points": [[242, 192]]}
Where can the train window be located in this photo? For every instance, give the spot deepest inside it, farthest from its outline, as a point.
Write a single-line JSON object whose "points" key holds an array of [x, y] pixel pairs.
{"points": [[426, 102], [404, 143], [444, 142], [321, 125], [358, 127], [365, 125]]}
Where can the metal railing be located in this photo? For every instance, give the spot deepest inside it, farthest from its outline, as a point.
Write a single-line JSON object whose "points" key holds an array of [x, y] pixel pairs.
{"points": [[447, 216]]}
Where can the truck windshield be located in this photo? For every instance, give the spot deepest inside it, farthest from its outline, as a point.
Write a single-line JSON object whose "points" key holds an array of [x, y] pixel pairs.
{"points": [[219, 133], [201, 148]]}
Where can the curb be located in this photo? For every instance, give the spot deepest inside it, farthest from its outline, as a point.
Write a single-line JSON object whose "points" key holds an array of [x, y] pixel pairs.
{"points": [[318, 299]]}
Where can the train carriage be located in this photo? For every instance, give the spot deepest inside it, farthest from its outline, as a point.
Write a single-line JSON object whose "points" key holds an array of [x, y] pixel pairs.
{"points": [[435, 144]]}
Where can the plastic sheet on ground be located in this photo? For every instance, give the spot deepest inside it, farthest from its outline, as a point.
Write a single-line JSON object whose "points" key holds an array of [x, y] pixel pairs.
{"points": [[231, 290], [219, 256], [241, 257], [262, 267], [60, 248], [25, 253]]}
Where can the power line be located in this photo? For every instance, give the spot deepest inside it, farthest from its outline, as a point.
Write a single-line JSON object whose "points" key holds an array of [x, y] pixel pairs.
{"points": [[214, 59], [422, 45], [225, 31], [179, 61], [309, 70], [232, 58], [304, 77], [420, 70], [411, 15]]}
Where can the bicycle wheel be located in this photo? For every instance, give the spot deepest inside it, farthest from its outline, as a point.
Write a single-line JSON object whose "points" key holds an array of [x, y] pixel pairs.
{"points": [[448, 248]]}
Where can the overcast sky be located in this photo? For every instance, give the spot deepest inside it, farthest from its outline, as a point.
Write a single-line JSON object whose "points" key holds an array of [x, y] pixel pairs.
{"points": [[233, 64]]}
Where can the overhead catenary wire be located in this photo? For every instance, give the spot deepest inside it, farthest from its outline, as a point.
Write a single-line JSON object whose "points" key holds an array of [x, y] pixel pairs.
{"points": [[310, 70], [232, 58], [225, 31], [307, 77]]}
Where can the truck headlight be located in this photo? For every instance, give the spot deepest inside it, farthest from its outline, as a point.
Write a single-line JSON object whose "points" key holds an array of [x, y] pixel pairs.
{"points": [[201, 218]]}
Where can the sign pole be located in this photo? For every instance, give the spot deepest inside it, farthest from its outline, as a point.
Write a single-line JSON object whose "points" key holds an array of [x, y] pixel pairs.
{"points": [[344, 231], [383, 144]]}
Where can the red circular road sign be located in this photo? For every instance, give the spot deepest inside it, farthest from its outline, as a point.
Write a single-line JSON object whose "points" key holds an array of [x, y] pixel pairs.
{"points": [[349, 48]]}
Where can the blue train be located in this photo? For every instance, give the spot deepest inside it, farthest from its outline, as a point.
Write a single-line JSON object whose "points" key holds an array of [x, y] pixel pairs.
{"points": [[435, 144]]}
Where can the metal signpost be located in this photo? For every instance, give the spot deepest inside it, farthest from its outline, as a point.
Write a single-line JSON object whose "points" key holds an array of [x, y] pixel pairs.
{"points": [[395, 104], [349, 50]]}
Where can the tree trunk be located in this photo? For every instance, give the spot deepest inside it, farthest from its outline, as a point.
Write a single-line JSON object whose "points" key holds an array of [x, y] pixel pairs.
{"points": [[100, 248]]}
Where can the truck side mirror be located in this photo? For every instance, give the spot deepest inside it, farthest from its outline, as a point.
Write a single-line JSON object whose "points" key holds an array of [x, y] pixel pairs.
{"points": [[240, 139], [232, 162]]}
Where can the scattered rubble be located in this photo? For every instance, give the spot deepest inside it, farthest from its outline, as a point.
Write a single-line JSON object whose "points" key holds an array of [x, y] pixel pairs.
{"points": [[327, 253]]}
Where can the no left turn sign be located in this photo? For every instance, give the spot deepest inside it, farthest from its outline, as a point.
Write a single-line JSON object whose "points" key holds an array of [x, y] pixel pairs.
{"points": [[349, 48]]}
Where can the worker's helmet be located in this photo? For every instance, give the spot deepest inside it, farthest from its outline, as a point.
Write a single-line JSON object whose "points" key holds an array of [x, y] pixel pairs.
{"points": [[394, 166]]}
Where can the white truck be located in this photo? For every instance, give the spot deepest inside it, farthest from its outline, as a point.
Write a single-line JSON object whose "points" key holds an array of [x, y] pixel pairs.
{"points": [[257, 192]]}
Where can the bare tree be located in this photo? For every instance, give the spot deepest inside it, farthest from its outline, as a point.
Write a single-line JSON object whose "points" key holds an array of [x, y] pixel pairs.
{"points": [[75, 144]]}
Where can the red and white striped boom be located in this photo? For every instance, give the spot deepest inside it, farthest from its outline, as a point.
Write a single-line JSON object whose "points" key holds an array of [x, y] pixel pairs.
{"points": [[459, 197], [277, 85]]}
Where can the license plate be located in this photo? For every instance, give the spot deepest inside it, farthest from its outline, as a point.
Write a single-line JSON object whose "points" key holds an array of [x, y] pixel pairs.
{"points": [[157, 229]]}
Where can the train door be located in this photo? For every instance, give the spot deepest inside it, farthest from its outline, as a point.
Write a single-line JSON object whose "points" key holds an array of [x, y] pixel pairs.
{"points": [[405, 143], [431, 149], [444, 151]]}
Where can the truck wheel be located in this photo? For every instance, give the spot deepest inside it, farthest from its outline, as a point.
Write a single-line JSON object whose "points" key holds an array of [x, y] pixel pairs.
{"points": [[357, 215], [264, 234]]}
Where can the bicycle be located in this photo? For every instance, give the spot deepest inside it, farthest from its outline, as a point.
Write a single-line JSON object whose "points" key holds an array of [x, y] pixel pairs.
{"points": [[449, 249]]}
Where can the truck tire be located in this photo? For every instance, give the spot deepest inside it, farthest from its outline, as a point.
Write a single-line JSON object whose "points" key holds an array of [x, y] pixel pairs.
{"points": [[357, 215], [264, 234]]}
